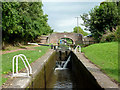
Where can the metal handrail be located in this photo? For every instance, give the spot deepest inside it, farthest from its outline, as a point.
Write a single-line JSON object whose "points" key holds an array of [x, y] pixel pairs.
{"points": [[79, 48], [27, 63], [28, 68]]}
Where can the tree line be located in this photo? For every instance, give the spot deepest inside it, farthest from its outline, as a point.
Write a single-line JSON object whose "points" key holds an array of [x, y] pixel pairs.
{"points": [[79, 30], [23, 22], [103, 20]]}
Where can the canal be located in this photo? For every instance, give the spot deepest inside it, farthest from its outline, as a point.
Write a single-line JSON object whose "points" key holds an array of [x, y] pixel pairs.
{"points": [[64, 70]]}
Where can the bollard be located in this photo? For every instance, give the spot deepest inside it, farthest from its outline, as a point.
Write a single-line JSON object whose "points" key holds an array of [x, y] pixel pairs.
{"points": [[51, 46]]}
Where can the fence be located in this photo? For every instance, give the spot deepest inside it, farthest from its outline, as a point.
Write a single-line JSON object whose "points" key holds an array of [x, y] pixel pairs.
{"points": [[89, 42]]}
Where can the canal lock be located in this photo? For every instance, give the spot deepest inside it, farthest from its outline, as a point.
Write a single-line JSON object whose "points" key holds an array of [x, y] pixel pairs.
{"points": [[64, 70]]}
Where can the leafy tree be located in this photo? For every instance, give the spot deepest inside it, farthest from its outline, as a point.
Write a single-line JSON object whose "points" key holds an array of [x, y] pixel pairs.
{"points": [[10, 21], [101, 18], [80, 31], [23, 21], [118, 6]]}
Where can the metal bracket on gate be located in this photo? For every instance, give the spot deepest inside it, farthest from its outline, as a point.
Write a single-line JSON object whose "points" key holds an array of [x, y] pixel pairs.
{"points": [[28, 68]]}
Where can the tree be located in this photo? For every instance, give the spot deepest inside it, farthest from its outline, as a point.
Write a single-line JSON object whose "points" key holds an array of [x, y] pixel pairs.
{"points": [[118, 6], [23, 21], [10, 21], [101, 18], [80, 31]]}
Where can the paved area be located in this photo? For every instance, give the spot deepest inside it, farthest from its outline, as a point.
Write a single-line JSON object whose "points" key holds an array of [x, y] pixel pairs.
{"points": [[102, 79]]}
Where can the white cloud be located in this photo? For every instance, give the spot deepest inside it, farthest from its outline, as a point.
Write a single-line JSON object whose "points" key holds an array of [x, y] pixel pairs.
{"points": [[61, 16], [66, 22]]}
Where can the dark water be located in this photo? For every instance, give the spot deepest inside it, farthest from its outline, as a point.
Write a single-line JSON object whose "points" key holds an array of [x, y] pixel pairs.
{"points": [[61, 78], [70, 74]]}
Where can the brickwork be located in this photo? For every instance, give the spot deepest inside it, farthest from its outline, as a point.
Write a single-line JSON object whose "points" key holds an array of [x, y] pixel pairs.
{"points": [[54, 37]]}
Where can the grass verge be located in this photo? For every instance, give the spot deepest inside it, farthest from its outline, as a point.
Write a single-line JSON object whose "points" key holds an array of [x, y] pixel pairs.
{"points": [[105, 55], [31, 55]]}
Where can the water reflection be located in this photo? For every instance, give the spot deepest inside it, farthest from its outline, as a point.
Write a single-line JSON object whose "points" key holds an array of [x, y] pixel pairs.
{"points": [[61, 78]]}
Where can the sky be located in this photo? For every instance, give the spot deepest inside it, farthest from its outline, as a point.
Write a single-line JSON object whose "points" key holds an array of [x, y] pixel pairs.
{"points": [[61, 14]]}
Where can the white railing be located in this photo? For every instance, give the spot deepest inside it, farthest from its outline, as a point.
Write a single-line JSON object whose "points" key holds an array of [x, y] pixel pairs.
{"points": [[28, 68], [77, 48], [33, 43]]}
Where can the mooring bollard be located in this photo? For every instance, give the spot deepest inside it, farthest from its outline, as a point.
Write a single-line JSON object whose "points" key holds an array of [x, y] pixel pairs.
{"points": [[52, 46], [28, 68]]}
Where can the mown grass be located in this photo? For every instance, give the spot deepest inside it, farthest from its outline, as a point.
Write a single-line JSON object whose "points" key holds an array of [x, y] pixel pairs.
{"points": [[105, 55], [31, 55]]}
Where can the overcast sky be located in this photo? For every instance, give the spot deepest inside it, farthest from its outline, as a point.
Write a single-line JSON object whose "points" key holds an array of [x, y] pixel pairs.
{"points": [[61, 15]]}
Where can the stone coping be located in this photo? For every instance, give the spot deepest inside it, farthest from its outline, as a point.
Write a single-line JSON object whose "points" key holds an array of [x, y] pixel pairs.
{"points": [[103, 80]]}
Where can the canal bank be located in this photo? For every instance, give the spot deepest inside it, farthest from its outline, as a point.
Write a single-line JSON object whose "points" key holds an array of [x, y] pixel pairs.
{"points": [[23, 82], [103, 80], [49, 72]]}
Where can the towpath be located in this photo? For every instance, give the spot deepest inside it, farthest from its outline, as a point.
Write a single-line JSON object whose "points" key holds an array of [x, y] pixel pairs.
{"points": [[102, 79], [26, 48]]}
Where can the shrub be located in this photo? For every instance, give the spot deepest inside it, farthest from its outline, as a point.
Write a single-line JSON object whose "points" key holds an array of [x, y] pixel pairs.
{"points": [[110, 35], [118, 33]]}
